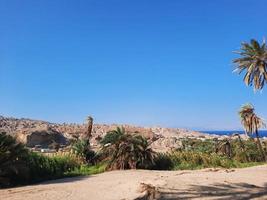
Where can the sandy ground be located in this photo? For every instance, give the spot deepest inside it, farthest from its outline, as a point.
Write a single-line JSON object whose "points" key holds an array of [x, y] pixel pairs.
{"points": [[247, 183]]}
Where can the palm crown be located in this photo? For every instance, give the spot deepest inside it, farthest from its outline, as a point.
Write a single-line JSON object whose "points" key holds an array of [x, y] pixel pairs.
{"points": [[253, 60], [249, 119]]}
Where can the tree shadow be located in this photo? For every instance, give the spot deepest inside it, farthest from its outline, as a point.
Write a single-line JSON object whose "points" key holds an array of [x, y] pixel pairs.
{"points": [[65, 180], [220, 191]]}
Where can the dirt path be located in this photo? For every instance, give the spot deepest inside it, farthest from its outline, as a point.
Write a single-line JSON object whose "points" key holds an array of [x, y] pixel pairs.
{"points": [[248, 183]]}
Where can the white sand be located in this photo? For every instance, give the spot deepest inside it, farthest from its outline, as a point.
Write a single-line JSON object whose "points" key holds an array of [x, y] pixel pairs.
{"points": [[247, 183]]}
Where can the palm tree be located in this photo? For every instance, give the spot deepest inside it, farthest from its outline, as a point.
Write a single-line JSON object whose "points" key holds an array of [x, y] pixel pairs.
{"points": [[128, 151], [253, 60], [112, 136], [82, 149], [252, 123], [12, 160], [89, 126]]}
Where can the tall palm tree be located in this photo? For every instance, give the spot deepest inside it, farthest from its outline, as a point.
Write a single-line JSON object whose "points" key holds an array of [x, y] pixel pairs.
{"points": [[253, 60], [89, 126], [87, 133], [252, 123]]}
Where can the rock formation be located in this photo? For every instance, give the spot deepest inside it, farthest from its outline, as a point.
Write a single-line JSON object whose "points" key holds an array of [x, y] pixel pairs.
{"points": [[37, 132]]}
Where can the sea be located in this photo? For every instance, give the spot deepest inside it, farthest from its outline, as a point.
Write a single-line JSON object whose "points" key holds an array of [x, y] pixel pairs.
{"points": [[262, 133]]}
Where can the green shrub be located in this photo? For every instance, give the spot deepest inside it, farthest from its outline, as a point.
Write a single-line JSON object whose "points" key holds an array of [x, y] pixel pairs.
{"points": [[45, 168], [162, 161], [87, 170], [241, 151], [206, 146], [180, 160], [250, 153], [19, 166], [12, 162], [128, 152], [82, 149]]}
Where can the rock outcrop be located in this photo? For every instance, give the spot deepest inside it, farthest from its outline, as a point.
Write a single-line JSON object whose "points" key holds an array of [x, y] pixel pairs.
{"points": [[40, 136], [37, 132]]}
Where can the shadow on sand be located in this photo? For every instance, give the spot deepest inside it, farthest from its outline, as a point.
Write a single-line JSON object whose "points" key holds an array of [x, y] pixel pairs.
{"points": [[225, 191], [65, 180]]}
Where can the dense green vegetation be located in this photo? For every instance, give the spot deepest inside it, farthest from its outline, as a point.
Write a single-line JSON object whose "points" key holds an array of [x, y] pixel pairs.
{"points": [[20, 166], [12, 160], [87, 170], [198, 154], [195, 160], [122, 151], [126, 151], [81, 148], [235, 148]]}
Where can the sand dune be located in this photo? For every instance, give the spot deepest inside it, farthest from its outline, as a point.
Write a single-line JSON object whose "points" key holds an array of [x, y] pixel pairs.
{"points": [[247, 183]]}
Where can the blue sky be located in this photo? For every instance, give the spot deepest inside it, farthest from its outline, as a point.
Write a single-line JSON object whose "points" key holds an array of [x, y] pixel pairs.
{"points": [[165, 63]]}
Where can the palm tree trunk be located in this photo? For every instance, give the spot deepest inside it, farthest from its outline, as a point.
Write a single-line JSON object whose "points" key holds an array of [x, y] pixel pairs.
{"points": [[260, 147], [89, 126]]}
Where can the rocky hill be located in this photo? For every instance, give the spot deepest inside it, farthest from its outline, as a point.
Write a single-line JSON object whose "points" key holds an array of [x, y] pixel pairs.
{"points": [[38, 132]]}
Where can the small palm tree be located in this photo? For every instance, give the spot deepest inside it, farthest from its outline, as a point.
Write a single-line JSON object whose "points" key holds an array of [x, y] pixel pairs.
{"points": [[253, 60], [128, 151], [82, 149], [252, 123]]}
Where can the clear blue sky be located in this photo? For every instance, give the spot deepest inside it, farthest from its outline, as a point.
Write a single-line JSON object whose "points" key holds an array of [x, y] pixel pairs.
{"points": [[140, 62]]}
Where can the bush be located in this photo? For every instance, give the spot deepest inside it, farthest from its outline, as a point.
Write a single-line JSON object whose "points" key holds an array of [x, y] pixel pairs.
{"points": [[206, 146], [19, 166], [45, 168], [241, 150], [194, 160], [162, 161], [87, 170], [128, 152], [82, 149], [12, 162], [250, 153]]}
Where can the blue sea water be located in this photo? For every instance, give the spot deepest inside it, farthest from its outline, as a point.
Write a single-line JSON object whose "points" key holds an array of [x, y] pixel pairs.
{"points": [[262, 133]]}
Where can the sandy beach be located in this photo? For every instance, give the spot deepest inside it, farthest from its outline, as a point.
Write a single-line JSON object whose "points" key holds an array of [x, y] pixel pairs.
{"points": [[246, 183]]}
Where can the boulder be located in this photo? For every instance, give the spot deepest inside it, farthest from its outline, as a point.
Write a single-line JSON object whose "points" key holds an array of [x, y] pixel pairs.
{"points": [[44, 137]]}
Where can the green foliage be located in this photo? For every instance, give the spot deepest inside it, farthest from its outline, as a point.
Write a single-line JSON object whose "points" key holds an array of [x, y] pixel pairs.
{"points": [[162, 161], [12, 162], [241, 150], [45, 168], [250, 153], [19, 166], [128, 152], [82, 149], [206, 146], [253, 61], [195, 160], [198, 154], [112, 136], [87, 170]]}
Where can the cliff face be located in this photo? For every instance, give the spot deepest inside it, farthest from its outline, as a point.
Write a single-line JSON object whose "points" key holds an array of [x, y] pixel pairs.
{"points": [[33, 132]]}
